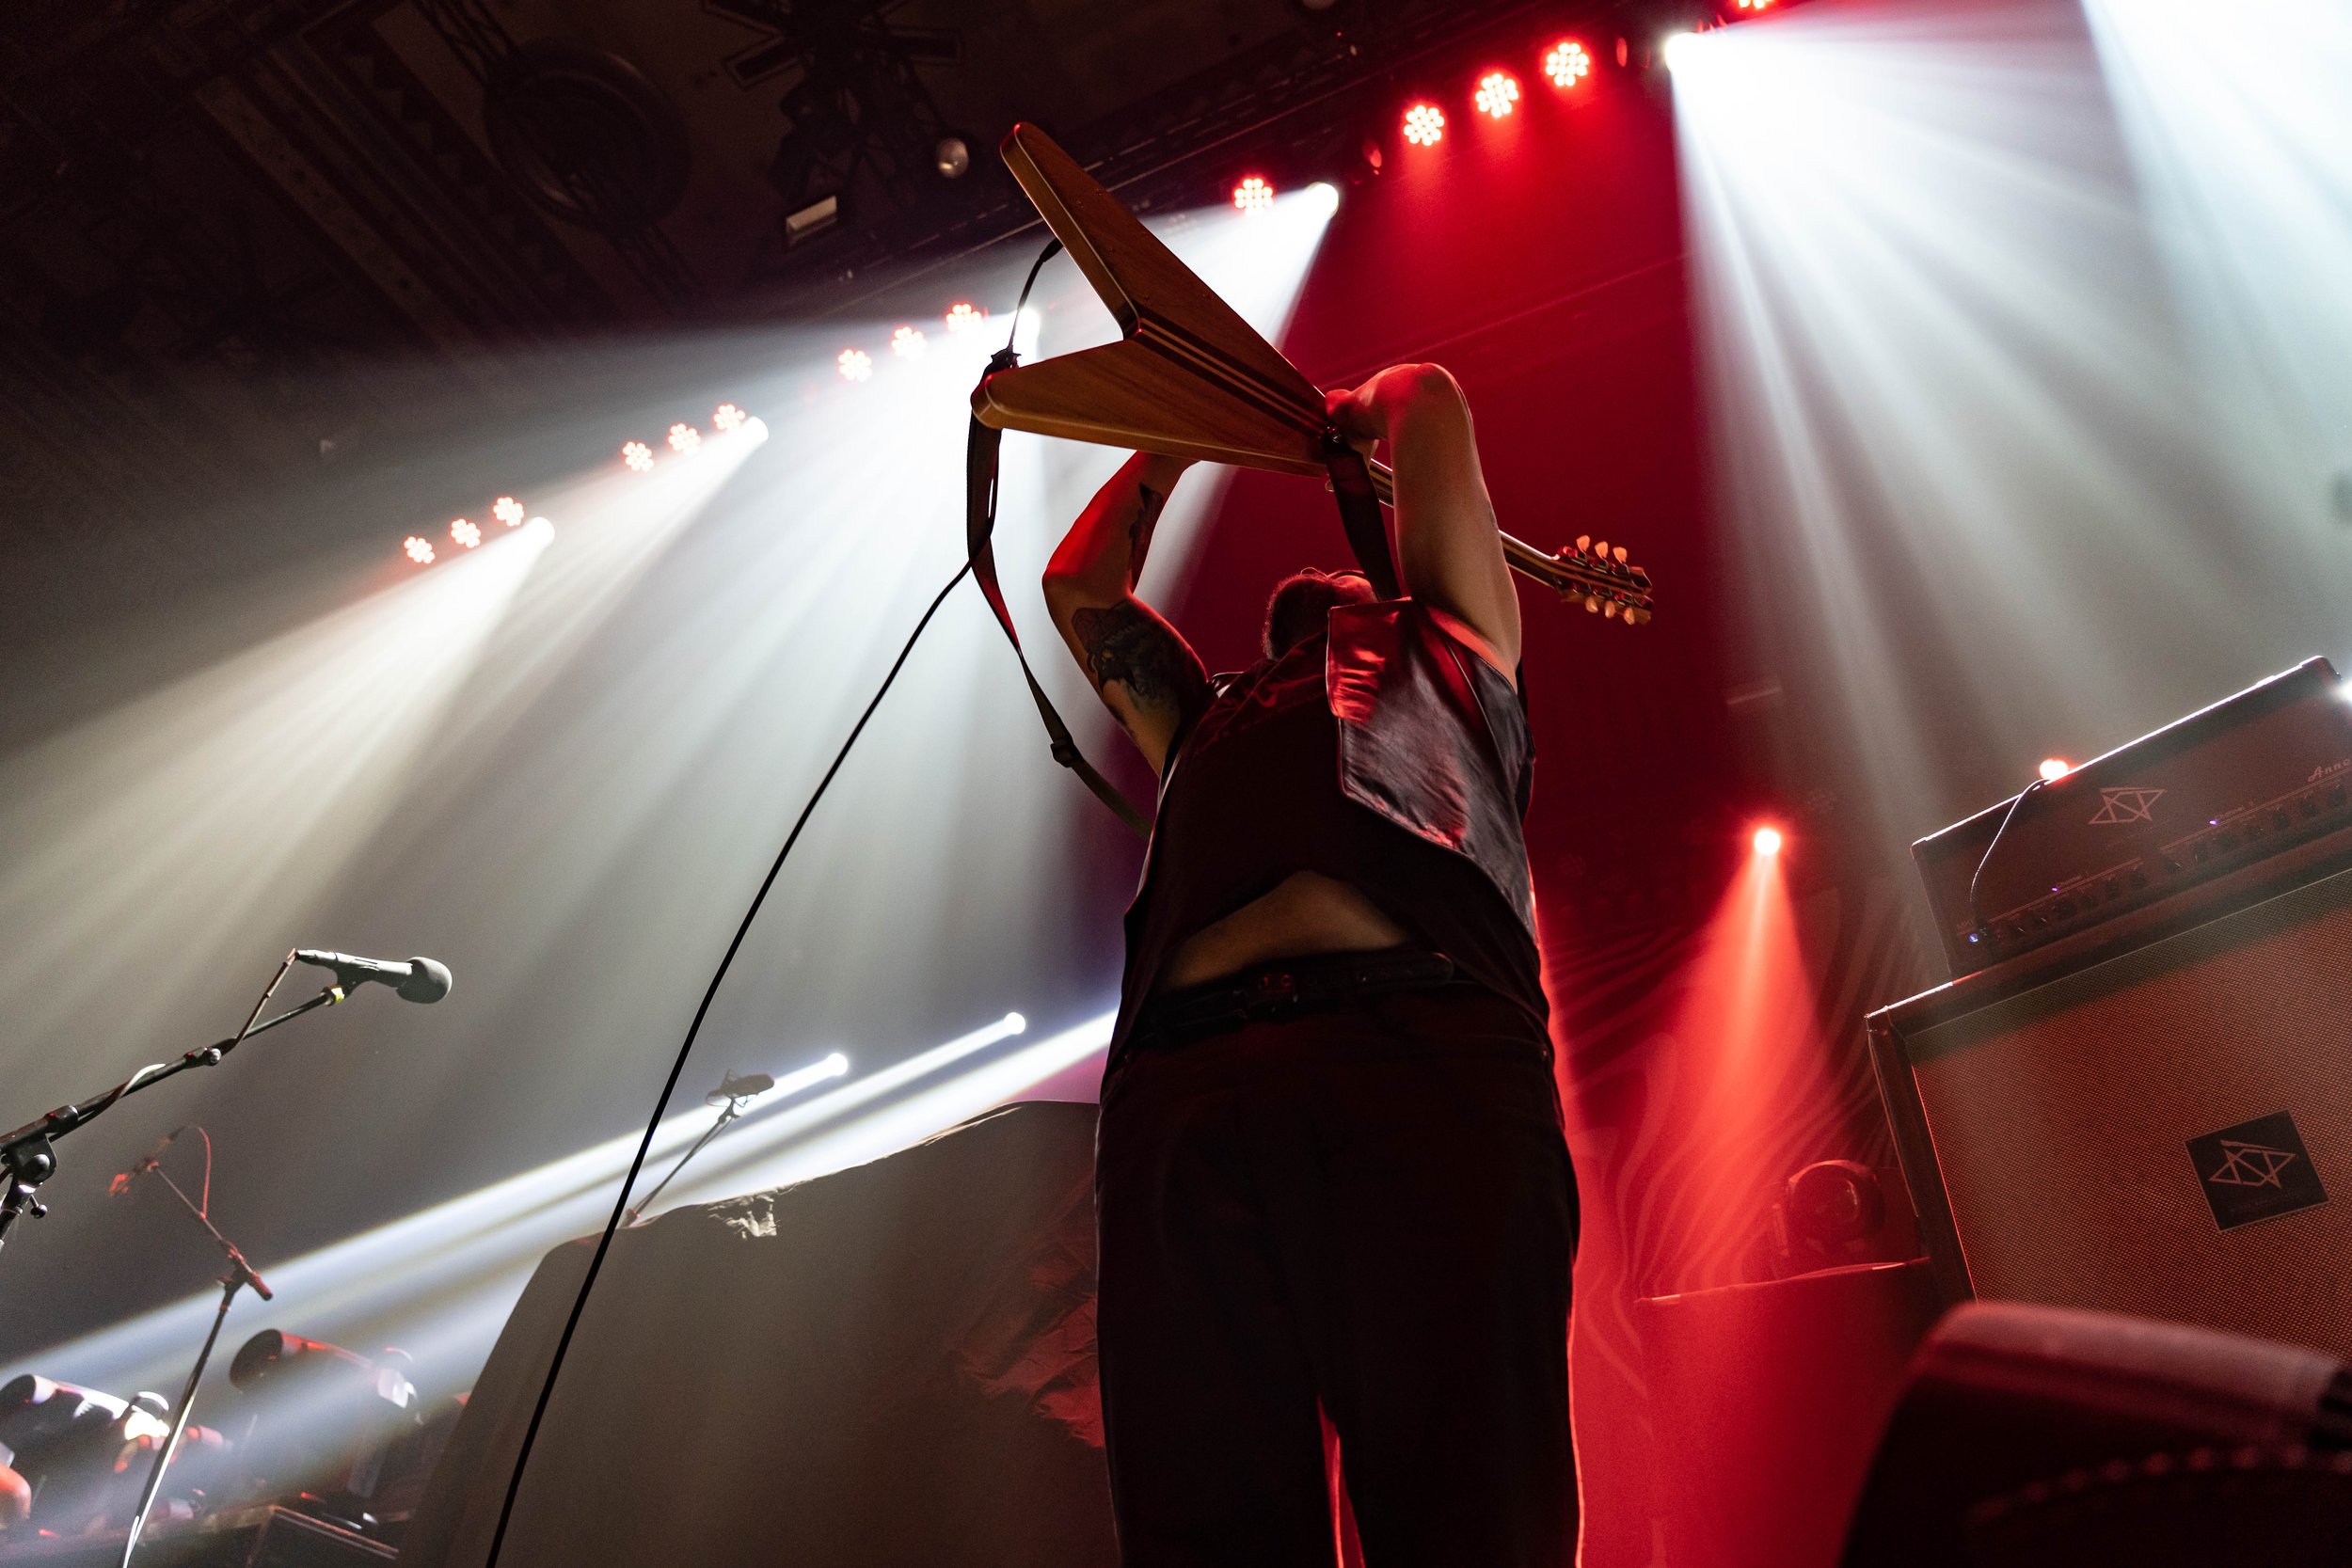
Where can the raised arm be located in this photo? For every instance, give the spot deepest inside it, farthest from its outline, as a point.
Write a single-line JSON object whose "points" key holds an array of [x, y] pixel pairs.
{"points": [[1146, 673], [1449, 552]]}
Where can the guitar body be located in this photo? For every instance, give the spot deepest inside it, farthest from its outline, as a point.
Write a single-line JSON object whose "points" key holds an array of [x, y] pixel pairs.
{"points": [[1131, 394], [1190, 378]]}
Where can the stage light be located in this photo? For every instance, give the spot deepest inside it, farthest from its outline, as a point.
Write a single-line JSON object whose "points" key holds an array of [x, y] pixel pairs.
{"points": [[1424, 125], [727, 419], [638, 456], [1497, 93], [1676, 50], [856, 365], [539, 531], [507, 510], [465, 533], [420, 550], [1767, 841], [2055, 768], [1568, 63], [1325, 196], [1253, 195], [908, 343], [684, 439], [963, 317]]}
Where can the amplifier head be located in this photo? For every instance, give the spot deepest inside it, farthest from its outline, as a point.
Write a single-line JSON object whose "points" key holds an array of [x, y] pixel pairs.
{"points": [[2234, 783]]}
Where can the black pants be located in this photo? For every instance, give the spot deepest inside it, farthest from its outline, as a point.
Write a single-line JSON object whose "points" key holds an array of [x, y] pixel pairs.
{"points": [[1371, 1209]]}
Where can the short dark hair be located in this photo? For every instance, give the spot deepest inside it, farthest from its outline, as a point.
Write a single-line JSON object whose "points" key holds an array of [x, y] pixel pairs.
{"points": [[1302, 604]]}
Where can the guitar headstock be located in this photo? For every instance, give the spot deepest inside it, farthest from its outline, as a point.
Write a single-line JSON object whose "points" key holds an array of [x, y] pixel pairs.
{"points": [[1600, 576], [1592, 572]]}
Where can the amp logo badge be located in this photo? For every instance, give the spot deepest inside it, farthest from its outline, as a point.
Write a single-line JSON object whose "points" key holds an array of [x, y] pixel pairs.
{"points": [[2256, 1170], [2119, 806]]}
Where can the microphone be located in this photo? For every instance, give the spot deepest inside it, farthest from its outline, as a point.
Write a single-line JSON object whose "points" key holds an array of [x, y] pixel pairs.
{"points": [[750, 1084], [149, 1161], [418, 980]]}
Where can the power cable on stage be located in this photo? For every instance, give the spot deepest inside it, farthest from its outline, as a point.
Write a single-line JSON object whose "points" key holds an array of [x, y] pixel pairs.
{"points": [[678, 1068]]}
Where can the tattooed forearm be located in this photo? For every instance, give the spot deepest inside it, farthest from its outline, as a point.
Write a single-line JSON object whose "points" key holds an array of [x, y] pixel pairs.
{"points": [[1147, 504], [1125, 645]]}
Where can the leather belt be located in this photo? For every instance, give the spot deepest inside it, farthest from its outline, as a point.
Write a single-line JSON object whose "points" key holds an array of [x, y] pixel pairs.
{"points": [[1287, 987]]}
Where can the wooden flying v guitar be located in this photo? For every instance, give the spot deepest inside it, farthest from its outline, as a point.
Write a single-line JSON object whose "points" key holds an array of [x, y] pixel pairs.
{"points": [[1190, 378]]}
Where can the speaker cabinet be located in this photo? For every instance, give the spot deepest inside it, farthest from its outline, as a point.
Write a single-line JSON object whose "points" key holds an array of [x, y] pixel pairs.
{"points": [[2154, 1119]]}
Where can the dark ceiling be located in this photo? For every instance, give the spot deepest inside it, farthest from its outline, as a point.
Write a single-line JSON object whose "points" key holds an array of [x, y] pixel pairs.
{"points": [[235, 231]]}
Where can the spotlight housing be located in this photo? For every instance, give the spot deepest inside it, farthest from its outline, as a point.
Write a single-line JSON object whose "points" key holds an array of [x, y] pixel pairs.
{"points": [[1424, 125], [1568, 63], [1498, 94], [806, 223], [952, 157]]}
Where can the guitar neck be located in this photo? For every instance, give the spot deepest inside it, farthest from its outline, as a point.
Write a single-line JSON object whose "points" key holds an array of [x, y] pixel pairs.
{"points": [[1583, 572]]}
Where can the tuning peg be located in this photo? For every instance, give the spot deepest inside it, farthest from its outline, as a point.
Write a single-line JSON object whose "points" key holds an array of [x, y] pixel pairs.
{"points": [[1637, 617], [1620, 555], [1609, 610], [1592, 604], [1600, 548], [1584, 543]]}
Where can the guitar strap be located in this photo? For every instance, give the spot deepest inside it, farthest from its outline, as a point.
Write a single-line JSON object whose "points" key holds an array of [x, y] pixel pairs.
{"points": [[1359, 513], [980, 453]]}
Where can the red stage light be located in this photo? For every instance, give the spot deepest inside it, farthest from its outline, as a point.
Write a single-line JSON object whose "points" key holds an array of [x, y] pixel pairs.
{"points": [[908, 343], [684, 438], [638, 456], [1424, 125], [1568, 63], [727, 419], [1497, 93], [420, 550], [507, 510], [856, 364], [2055, 768], [1767, 841], [964, 318], [1253, 195], [1754, 4], [465, 533]]}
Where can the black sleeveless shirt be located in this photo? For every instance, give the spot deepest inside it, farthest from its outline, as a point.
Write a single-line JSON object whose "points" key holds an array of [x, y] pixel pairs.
{"points": [[1384, 754]]}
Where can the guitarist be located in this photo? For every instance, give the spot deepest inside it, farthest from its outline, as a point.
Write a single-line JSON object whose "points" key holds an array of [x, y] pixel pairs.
{"points": [[1331, 1172]]}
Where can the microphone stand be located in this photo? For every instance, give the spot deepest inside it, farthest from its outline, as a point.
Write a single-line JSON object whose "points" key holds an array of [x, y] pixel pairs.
{"points": [[734, 1109], [27, 1159], [240, 1274]]}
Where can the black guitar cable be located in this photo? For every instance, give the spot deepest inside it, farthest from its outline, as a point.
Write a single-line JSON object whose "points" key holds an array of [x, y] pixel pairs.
{"points": [[685, 1049]]}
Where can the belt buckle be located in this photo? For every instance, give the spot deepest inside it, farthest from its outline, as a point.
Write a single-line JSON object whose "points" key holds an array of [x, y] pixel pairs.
{"points": [[1271, 993]]}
